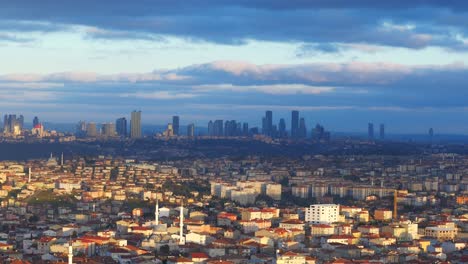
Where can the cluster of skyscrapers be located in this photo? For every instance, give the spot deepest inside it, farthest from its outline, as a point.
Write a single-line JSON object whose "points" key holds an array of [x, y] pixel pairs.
{"points": [[298, 128], [13, 125], [112, 130], [370, 131]]}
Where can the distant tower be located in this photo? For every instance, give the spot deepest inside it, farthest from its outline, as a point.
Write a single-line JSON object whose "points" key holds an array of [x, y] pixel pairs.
{"points": [[181, 225], [370, 131], [61, 160], [91, 130], [431, 134], [382, 132], [282, 128], [121, 126], [35, 121], [70, 252], [175, 125], [29, 175], [191, 130], [268, 123], [294, 123], [135, 124], [302, 131]]}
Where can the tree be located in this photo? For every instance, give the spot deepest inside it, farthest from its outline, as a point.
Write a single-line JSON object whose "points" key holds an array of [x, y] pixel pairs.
{"points": [[165, 250], [33, 218]]}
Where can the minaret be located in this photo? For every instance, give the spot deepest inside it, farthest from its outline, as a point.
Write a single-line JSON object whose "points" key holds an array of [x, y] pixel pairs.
{"points": [[61, 160], [70, 253], [395, 205], [181, 225], [156, 213], [29, 175]]}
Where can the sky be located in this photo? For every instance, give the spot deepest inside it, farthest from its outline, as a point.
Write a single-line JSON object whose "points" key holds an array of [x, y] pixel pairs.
{"points": [[340, 63]]}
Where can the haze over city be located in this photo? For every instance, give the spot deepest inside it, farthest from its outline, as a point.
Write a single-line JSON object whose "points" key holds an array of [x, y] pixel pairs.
{"points": [[341, 63]]}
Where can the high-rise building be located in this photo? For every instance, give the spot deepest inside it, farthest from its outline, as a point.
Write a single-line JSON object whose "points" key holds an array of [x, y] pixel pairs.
{"points": [[35, 121], [294, 123], [135, 124], [210, 128], [121, 126], [282, 128], [218, 128], [268, 123], [5, 124], [20, 122], [370, 131], [382, 132], [81, 130], [318, 133], [191, 130], [322, 213], [91, 130], [245, 129], [13, 125], [230, 128], [175, 125], [108, 130], [302, 131], [431, 134], [169, 132]]}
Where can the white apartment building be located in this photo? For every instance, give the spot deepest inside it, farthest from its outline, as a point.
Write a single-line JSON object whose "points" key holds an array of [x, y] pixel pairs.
{"points": [[322, 213]]}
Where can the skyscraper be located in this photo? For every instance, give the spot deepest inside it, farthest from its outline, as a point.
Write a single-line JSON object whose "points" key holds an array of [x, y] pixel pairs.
{"points": [[210, 128], [382, 132], [370, 131], [218, 128], [268, 123], [20, 122], [81, 129], [108, 129], [175, 125], [191, 130], [91, 130], [135, 124], [121, 126], [35, 121], [302, 131], [294, 123], [282, 128], [245, 129]]}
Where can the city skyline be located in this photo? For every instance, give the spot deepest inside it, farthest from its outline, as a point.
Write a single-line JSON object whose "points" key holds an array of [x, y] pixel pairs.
{"points": [[267, 126], [352, 63]]}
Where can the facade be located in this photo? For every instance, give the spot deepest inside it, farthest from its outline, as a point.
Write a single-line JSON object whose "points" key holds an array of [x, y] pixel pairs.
{"points": [[191, 130], [91, 130], [322, 213], [383, 214], [121, 126], [294, 123], [370, 131], [442, 231], [108, 129], [135, 124], [175, 125]]}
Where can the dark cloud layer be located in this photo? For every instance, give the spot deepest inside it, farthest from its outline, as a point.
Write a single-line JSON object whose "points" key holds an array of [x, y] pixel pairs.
{"points": [[432, 23]]}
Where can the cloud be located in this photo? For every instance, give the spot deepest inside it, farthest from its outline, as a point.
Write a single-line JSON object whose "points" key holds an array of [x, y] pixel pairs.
{"points": [[268, 89], [407, 24], [160, 95], [92, 77]]}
